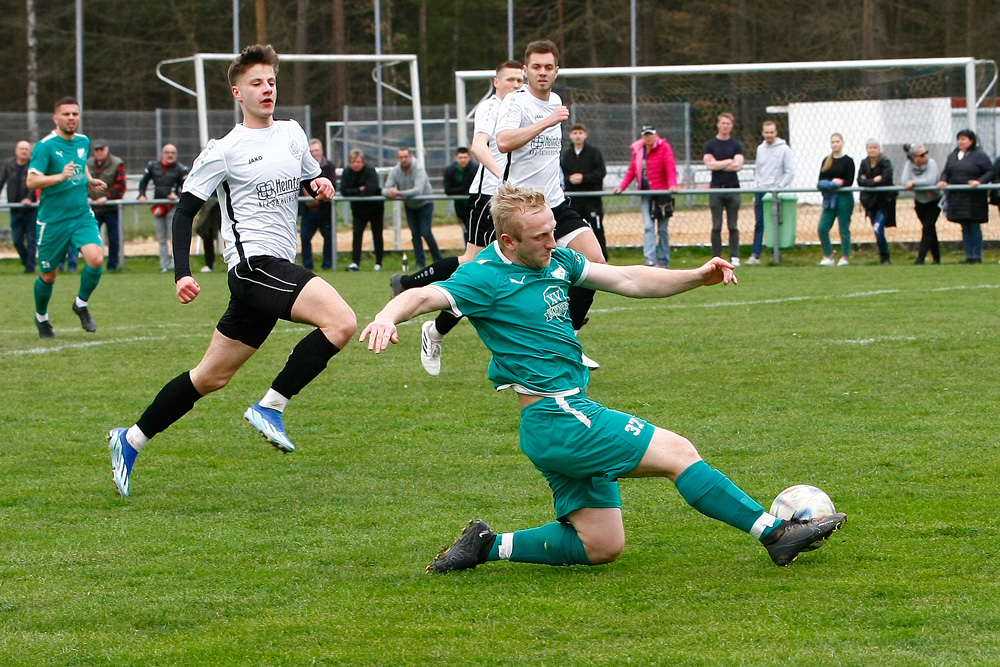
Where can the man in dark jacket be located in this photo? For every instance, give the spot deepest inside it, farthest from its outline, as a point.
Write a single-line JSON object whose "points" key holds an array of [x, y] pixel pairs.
{"points": [[317, 215], [361, 180], [22, 218], [110, 169], [458, 177], [584, 171], [167, 175]]}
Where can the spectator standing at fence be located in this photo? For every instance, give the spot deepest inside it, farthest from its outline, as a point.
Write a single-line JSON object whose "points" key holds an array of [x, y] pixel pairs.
{"points": [[318, 215], [773, 168], [653, 167], [361, 180], [836, 172], [58, 168], [968, 165], [921, 171], [167, 175], [724, 157], [458, 178], [880, 207], [208, 225], [407, 181], [110, 169], [22, 218], [584, 171]]}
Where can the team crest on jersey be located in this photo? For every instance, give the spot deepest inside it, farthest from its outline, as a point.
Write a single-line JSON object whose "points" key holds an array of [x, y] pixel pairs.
{"points": [[558, 304], [81, 153], [295, 150]]}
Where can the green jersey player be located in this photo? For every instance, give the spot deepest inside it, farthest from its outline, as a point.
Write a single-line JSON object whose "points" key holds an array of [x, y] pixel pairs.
{"points": [[516, 295], [59, 169]]}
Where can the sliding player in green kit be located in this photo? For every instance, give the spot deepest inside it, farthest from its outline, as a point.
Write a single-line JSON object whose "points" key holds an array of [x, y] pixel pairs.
{"points": [[58, 168], [516, 294]]}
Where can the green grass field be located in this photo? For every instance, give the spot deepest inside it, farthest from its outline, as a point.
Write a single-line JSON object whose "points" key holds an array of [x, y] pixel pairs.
{"points": [[878, 384]]}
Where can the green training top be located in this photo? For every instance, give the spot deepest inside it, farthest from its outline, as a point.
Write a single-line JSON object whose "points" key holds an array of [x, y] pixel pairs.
{"points": [[522, 315], [66, 200]]}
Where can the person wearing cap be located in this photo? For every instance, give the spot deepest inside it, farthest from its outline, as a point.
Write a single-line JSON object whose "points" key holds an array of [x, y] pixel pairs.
{"points": [[167, 175], [653, 168], [110, 169]]}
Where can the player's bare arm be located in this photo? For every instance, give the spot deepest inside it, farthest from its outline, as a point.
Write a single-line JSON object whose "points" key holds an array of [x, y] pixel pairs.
{"points": [[36, 181], [480, 149], [645, 282], [406, 306], [511, 140]]}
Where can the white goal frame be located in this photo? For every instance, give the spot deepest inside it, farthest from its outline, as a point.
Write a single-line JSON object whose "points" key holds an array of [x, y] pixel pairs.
{"points": [[968, 63], [199, 60]]}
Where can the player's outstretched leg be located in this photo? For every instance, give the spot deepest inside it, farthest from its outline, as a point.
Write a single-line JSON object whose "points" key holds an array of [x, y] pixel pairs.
{"points": [[122, 458], [469, 550], [270, 425], [793, 536], [439, 270], [430, 348]]}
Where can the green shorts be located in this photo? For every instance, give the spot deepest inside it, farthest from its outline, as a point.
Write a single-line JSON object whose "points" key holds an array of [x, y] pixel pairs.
{"points": [[582, 448], [55, 237]]}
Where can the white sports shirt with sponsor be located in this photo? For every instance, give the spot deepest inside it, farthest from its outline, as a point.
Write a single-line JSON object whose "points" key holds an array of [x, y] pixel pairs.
{"points": [[485, 123], [257, 174], [537, 162]]}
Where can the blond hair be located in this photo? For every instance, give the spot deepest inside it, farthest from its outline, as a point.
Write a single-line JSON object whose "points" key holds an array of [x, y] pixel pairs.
{"points": [[509, 204]]}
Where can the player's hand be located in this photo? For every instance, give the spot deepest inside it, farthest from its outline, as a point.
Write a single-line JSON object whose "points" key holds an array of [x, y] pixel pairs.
{"points": [[187, 289], [557, 116], [68, 171], [717, 270], [382, 333], [324, 189], [96, 186]]}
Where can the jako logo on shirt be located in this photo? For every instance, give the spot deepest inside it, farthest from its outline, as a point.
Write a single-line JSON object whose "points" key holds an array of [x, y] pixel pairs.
{"points": [[558, 304]]}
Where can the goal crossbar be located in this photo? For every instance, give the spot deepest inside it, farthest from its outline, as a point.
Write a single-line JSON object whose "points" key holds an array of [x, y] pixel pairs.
{"points": [[199, 92], [967, 63]]}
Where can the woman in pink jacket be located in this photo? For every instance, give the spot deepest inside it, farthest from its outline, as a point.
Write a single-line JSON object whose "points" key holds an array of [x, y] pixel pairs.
{"points": [[653, 168]]}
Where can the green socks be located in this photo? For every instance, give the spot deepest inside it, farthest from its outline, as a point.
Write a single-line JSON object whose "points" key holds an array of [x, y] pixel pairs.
{"points": [[714, 495], [89, 277], [552, 544], [43, 292]]}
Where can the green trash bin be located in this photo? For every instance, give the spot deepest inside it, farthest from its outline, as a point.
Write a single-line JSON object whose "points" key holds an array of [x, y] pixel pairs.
{"points": [[786, 224]]}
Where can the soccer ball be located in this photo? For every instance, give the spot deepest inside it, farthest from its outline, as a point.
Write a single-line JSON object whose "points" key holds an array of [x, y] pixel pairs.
{"points": [[802, 502]]}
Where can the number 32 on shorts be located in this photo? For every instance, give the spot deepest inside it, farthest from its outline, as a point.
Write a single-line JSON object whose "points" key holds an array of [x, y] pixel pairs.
{"points": [[634, 426]]}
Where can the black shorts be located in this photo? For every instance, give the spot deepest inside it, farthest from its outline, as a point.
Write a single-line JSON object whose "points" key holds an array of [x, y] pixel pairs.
{"points": [[481, 229], [262, 290], [569, 224]]}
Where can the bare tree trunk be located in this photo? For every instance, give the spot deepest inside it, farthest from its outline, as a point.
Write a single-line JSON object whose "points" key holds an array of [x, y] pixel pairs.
{"points": [[562, 31], [970, 29], [32, 73], [339, 46], [301, 46], [589, 21], [261, 22]]}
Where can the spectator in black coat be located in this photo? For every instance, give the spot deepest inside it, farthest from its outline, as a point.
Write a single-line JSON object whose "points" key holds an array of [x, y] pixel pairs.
{"points": [[317, 215], [584, 171], [458, 177], [360, 180], [880, 207], [968, 165]]}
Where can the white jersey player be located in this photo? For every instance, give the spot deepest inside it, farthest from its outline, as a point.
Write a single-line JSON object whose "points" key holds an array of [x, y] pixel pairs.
{"points": [[256, 169]]}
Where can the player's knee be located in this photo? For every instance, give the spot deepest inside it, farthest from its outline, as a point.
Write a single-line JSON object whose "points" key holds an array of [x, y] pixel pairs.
{"points": [[343, 329], [206, 383], [605, 550]]}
